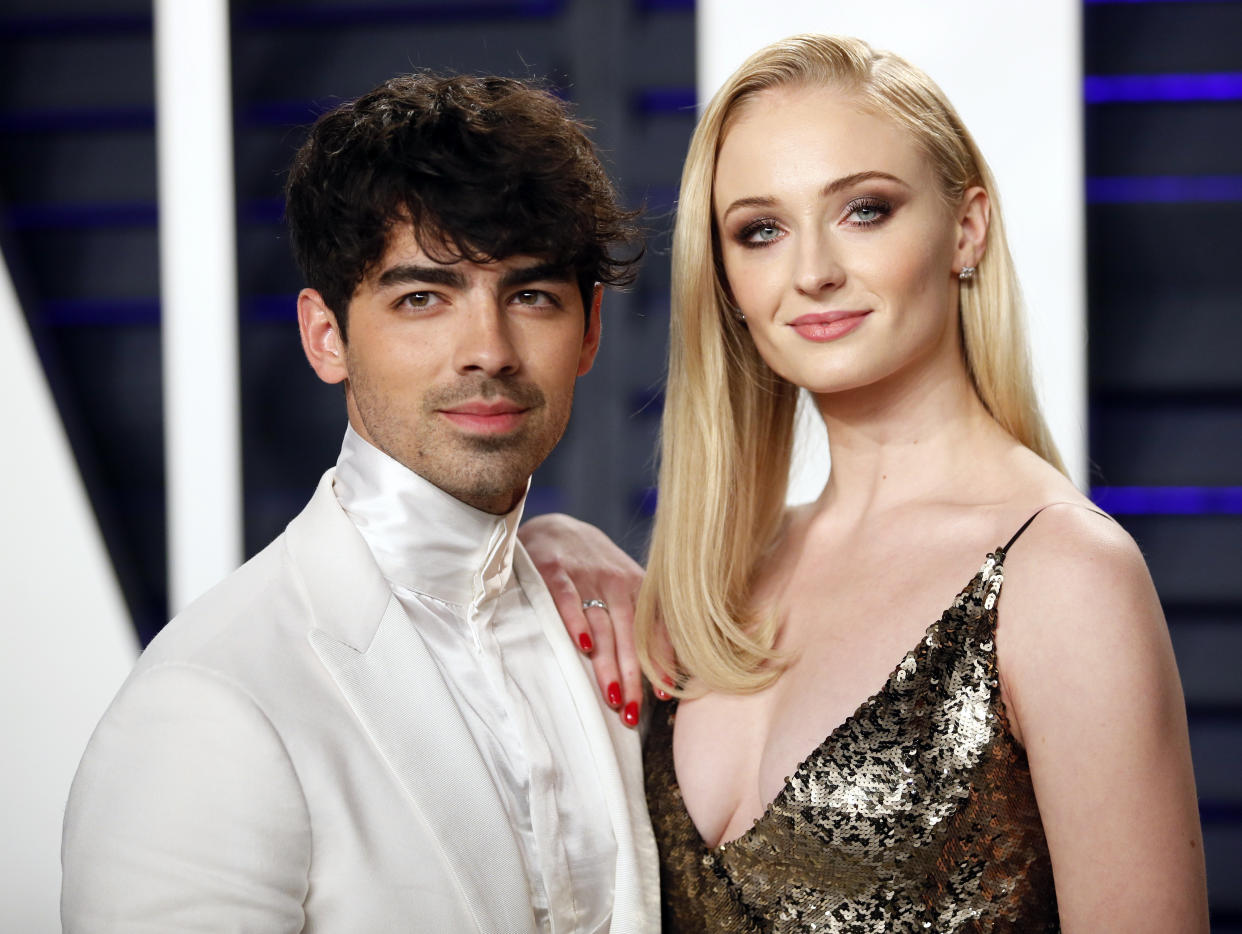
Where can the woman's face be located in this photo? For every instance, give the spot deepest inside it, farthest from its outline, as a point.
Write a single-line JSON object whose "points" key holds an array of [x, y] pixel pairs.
{"points": [[836, 241]]}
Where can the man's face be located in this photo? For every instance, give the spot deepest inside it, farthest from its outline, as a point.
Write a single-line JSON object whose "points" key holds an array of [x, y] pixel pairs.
{"points": [[463, 372]]}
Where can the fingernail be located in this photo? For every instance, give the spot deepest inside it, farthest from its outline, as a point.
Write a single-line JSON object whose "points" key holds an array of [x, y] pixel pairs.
{"points": [[667, 680], [631, 713], [662, 694], [614, 695], [584, 640]]}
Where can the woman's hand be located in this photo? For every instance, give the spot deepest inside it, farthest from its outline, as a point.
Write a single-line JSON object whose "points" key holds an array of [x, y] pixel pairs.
{"points": [[584, 569]]}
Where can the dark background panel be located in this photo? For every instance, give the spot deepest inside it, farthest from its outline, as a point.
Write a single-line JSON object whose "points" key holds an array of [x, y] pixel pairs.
{"points": [[1156, 38], [1209, 643], [1193, 559], [1165, 138], [1164, 251], [78, 69], [1165, 308], [1141, 441], [71, 168]]}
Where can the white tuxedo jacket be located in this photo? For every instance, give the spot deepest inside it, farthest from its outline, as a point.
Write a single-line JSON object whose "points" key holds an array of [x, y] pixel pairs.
{"points": [[286, 756]]}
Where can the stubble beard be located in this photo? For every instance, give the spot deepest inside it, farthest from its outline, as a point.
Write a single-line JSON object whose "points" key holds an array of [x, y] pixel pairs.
{"points": [[488, 472]]}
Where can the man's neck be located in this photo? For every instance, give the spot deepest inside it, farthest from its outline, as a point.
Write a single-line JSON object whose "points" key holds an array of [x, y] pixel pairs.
{"points": [[423, 538]]}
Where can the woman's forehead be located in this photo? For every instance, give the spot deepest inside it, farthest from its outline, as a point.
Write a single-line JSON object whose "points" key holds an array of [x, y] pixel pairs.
{"points": [[814, 129]]}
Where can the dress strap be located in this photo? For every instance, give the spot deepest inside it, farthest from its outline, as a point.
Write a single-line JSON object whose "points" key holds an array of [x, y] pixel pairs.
{"points": [[1005, 548]]}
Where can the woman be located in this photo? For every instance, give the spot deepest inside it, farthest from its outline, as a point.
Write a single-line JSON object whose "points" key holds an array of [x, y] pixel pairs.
{"points": [[1024, 766]]}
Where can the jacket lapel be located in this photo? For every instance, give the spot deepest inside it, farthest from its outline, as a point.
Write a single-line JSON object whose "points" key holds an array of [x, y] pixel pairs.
{"points": [[382, 667]]}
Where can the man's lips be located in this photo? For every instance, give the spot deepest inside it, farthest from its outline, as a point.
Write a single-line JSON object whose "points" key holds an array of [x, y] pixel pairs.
{"points": [[496, 416], [828, 325]]}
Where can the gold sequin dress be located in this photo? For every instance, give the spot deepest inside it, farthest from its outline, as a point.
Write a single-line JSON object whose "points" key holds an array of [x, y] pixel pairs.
{"points": [[915, 815]]}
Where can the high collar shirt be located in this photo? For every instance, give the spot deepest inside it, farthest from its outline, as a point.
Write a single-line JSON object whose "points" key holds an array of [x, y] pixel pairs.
{"points": [[451, 567]]}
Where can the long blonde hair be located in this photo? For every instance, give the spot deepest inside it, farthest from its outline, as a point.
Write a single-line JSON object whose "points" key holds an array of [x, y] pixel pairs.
{"points": [[728, 419]]}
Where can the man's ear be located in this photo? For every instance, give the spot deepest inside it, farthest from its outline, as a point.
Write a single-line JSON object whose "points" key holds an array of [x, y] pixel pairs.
{"points": [[321, 338], [973, 217], [590, 340]]}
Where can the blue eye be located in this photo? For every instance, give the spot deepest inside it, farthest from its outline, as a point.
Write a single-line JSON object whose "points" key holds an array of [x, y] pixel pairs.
{"points": [[865, 212], [760, 233]]}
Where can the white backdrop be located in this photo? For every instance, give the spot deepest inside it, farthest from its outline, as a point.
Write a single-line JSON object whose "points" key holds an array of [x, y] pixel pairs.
{"points": [[68, 642], [1014, 72]]}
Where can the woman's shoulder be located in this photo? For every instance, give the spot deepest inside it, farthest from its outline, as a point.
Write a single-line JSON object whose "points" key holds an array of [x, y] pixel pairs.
{"points": [[1078, 620], [1084, 551], [1059, 533], [1077, 595]]}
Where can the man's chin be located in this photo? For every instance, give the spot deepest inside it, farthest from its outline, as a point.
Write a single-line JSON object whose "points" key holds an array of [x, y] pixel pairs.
{"points": [[494, 493], [510, 443]]}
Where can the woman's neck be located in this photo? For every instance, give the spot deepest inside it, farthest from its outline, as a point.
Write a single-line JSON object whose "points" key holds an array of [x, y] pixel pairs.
{"points": [[917, 436]]}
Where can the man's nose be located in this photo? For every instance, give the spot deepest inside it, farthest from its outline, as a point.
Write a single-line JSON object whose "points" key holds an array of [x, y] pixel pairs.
{"points": [[486, 344]]}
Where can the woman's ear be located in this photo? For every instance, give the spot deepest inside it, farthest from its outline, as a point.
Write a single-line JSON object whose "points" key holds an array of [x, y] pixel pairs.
{"points": [[973, 215], [321, 337]]}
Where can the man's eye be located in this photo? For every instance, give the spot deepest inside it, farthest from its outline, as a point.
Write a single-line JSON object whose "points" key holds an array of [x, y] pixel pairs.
{"points": [[533, 297], [419, 299]]}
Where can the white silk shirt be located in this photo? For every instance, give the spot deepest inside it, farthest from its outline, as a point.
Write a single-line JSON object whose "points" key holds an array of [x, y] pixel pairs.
{"points": [[450, 565]]}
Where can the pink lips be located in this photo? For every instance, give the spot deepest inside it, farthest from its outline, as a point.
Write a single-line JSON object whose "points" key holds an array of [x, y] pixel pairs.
{"points": [[489, 418], [827, 325]]}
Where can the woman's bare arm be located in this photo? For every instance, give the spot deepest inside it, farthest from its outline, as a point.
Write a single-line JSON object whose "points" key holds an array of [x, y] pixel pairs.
{"points": [[1094, 695]]}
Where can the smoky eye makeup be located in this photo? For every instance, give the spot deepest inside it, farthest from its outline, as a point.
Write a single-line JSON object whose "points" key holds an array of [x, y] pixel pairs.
{"points": [[867, 211], [759, 232]]}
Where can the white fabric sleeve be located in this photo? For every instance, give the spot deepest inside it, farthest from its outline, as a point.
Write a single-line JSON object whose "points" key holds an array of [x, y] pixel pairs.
{"points": [[186, 814]]}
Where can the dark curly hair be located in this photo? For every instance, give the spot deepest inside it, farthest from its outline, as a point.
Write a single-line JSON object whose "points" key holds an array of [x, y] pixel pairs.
{"points": [[483, 168]]}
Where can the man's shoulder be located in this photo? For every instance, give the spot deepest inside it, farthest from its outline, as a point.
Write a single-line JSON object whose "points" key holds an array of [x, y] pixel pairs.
{"points": [[263, 603], [259, 603]]}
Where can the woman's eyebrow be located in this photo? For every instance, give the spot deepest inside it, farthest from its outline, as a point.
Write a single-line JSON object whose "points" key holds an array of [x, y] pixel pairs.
{"points": [[832, 188], [846, 181]]}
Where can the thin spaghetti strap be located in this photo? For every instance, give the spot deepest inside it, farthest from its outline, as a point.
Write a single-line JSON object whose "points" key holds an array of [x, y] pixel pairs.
{"points": [[1009, 543]]}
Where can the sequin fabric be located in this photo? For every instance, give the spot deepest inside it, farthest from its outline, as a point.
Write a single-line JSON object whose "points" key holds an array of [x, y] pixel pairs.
{"points": [[915, 815]]}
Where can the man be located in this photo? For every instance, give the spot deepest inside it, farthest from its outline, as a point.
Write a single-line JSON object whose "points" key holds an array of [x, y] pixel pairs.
{"points": [[379, 723]]}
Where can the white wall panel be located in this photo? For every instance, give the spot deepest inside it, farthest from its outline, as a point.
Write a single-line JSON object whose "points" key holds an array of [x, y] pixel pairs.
{"points": [[198, 295], [1013, 70], [68, 641]]}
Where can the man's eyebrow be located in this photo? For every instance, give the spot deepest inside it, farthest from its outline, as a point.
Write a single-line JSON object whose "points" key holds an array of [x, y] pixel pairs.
{"points": [[832, 188], [540, 272], [409, 274]]}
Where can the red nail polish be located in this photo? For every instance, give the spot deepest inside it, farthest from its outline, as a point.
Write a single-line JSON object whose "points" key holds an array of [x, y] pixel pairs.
{"points": [[584, 640], [631, 713], [614, 695], [663, 694]]}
